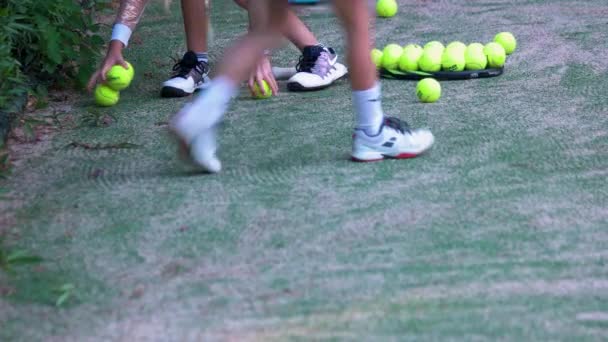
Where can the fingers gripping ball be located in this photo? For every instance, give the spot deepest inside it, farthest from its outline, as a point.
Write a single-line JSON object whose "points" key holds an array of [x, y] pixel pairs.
{"points": [[453, 59], [496, 55], [410, 57], [474, 57], [119, 78], [391, 55], [377, 57], [259, 94], [507, 40], [386, 8], [106, 96], [428, 90]]}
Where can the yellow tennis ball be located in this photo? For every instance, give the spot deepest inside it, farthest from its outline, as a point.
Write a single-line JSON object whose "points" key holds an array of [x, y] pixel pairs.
{"points": [[430, 61], [428, 90], [386, 8], [507, 40], [257, 92], [434, 45], [377, 57], [410, 57], [391, 55], [106, 96], [496, 55], [474, 57], [453, 59], [457, 45], [119, 78]]}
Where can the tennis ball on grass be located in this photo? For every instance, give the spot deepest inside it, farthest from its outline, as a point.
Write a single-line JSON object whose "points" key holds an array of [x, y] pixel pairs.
{"points": [[496, 55], [457, 45], [257, 92], [428, 90], [410, 57], [377, 57], [386, 8], [474, 57], [453, 59], [430, 61], [106, 96], [391, 55], [507, 40], [119, 78]]}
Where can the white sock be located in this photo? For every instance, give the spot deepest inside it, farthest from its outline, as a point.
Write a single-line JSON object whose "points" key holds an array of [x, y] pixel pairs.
{"points": [[207, 109], [368, 109], [202, 57]]}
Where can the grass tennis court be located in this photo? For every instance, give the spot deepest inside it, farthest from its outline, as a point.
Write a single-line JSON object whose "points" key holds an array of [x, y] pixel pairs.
{"points": [[499, 233]]}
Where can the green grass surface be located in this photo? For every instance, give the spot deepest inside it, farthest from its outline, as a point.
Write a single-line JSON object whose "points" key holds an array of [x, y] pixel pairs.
{"points": [[499, 233]]}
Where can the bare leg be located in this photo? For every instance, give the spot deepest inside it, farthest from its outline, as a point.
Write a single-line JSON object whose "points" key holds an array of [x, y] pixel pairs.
{"points": [[355, 17], [196, 24], [295, 30], [267, 19]]}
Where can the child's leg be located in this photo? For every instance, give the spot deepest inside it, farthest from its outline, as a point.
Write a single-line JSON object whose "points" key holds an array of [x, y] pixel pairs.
{"points": [[366, 89], [196, 24], [195, 123], [295, 30], [376, 137]]}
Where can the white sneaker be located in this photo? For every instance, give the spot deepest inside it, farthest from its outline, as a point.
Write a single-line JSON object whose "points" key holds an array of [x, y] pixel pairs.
{"points": [[189, 75], [395, 140], [197, 141], [317, 69]]}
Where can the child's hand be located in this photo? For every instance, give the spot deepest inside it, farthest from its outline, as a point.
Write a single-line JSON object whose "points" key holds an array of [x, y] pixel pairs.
{"points": [[263, 72], [113, 57]]}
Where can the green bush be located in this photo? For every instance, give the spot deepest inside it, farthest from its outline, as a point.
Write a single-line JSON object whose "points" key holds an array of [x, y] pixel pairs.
{"points": [[46, 43]]}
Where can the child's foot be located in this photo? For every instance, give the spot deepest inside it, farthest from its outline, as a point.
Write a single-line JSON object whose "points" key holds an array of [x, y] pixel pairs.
{"points": [[197, 143], [394, 140], [318, 69], [189, 75]]}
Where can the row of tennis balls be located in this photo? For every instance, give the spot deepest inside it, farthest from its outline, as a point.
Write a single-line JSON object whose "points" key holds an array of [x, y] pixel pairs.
{"points": [[455, 57], [117, 79]]}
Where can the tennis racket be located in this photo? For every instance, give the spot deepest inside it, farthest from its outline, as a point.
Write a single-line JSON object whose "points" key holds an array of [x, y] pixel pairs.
{"points": [[440, 75]]}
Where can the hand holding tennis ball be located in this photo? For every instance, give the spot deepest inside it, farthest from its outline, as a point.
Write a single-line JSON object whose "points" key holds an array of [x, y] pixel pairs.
{"points": [[259, 94], [386, 8], [119, 78], [428, 90], [507, 41], [106, 96]]}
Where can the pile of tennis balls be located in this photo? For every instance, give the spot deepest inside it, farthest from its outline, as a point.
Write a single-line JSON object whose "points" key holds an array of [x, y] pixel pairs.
{"points": [[117, 79], [434, 57]]}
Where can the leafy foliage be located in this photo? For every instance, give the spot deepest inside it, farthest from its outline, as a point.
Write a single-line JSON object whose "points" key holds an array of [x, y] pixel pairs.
{"points": [[46, 43]]}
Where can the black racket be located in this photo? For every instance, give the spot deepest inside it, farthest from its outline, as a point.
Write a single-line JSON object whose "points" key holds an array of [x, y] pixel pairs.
{"points": [[440, 75]]}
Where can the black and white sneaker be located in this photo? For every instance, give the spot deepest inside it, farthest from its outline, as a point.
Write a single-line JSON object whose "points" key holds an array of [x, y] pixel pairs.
{"points": [[317, 69], [189, 75]]}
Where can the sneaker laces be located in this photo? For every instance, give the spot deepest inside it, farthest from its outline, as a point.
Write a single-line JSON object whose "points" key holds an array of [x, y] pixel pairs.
{"points": [[184, 66], [315, 60], [397, 124]]}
